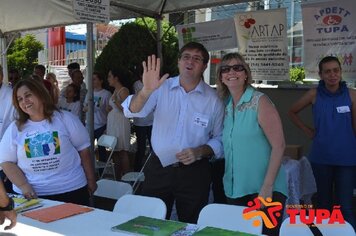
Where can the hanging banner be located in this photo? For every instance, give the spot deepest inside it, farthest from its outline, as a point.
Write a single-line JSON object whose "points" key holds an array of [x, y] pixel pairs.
{"points": [[329, 30], [92, 10], [214, 35], [262, 40]]}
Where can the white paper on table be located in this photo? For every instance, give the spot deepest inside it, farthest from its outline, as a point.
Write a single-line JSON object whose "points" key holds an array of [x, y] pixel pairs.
{"points": [[168, 156]]}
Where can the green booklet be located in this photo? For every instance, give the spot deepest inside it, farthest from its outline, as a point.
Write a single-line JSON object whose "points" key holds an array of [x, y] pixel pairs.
{"points": [[22, 204], [211, 231], [142, 225]]}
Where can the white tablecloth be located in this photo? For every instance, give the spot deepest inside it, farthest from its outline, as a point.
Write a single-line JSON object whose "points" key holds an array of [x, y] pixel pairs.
{"points": [[97, 222]]}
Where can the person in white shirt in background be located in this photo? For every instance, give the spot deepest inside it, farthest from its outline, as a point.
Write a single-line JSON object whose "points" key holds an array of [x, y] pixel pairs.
{"points": [[78, 79], [71, 100], [142, 126], [7, 115], [101, 102]]}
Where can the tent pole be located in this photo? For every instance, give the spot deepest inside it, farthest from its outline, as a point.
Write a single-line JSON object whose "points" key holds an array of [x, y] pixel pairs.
{"points": [[89, 73], [159, 39], [3, 57]]}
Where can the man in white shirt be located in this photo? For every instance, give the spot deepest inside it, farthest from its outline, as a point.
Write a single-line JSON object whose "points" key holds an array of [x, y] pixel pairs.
{"points": [[7, 115], [187, 129]]}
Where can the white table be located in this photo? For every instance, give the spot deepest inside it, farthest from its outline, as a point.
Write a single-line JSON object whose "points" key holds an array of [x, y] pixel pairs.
{"points": [[97, 222]]}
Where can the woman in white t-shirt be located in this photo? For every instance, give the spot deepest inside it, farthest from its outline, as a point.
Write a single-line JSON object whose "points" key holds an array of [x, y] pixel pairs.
{"points": [[71, 101], [101, 101], [45, 152]]}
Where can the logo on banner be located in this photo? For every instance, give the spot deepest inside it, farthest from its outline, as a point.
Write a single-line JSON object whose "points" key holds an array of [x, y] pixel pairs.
{"points": [[270, 218], [273, 210], [187, 34], [260, 30], [330, 19]]}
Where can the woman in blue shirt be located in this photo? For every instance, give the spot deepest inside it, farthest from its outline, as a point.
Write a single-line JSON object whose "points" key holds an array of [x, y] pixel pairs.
{"points": [[252, 137], [333, 152]]}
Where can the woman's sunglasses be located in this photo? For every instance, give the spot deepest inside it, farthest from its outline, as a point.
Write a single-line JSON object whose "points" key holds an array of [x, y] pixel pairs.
{"points": [[236, 68]]}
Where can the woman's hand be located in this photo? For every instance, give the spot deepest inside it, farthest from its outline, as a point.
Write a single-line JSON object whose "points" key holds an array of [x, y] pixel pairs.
{"points": [[92, 186], [310, 132], [266, 191], [28, 191]]}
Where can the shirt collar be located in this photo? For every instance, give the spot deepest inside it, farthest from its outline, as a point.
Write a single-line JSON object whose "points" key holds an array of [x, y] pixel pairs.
{"points": [[246, 96], [175, 84]]}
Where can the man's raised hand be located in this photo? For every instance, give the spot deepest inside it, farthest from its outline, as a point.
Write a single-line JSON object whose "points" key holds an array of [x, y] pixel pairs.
{"points": [[151, 75]]}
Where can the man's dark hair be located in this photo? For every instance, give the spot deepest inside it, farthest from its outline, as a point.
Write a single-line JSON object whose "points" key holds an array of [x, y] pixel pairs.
{"points": [[41, 68], [73, 66], [326, 60], [197, 46]]}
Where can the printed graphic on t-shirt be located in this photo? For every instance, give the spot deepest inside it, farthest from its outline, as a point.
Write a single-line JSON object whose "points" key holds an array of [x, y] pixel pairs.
{"points": [[97, 101], [42, 145]]}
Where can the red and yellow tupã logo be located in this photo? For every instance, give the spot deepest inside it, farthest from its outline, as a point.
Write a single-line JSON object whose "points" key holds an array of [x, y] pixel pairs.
{"points": [[274, 211]]}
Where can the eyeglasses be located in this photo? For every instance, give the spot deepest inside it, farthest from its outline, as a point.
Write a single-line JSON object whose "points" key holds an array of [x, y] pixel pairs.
{"points": [[236, 68], [187, 57]]}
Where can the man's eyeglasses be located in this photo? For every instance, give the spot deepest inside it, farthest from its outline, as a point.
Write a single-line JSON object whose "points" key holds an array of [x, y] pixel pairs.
{"points": [[236, 68], [187, 57]]}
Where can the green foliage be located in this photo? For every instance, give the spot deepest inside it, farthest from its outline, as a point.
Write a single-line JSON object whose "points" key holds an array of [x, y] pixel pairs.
{"points": [[296, 74], [23, 54], [133, 43]]}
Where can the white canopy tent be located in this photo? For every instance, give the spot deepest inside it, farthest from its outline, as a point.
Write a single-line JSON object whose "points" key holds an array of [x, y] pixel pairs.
{"points": [[21, 15]]}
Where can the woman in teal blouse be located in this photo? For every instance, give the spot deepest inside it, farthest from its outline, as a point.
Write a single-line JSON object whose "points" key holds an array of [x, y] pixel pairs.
{"points": [[252, 137]]}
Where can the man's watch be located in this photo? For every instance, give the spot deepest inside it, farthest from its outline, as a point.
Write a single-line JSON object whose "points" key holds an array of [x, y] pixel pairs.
{"points": [[9, 206]]}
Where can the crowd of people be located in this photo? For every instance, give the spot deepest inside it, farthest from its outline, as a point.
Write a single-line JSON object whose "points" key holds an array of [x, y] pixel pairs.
{"points": [[190, 128]]}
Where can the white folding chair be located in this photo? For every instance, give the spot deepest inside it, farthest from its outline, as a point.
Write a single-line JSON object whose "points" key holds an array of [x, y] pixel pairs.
{"points": [[299, 228], [112, 189], [137, 205], [227, 217], [136, 177], [109, 142]]}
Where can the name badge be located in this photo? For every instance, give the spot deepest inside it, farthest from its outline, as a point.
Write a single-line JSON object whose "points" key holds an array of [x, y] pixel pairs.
{"points": [[201, 120], [343, 109]]}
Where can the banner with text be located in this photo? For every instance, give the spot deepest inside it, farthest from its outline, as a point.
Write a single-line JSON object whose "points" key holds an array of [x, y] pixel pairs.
{"points": [[92, 10], [329, 29], [214, 35], [262, 40]]}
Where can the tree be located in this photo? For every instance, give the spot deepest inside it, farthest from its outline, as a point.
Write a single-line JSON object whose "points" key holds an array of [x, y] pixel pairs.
{"points": [[23, 54], [133, 43]]}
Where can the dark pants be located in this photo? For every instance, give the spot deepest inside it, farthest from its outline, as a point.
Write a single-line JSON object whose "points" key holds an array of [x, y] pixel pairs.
{"points": [[79, 196], [143, 133], [188, 185], [335, 186], [101, 150], [217, 174], [277, 197]]}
